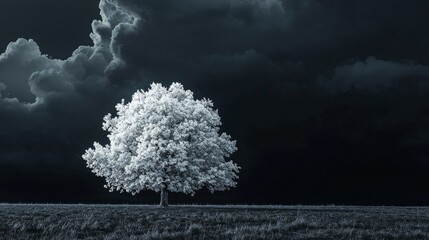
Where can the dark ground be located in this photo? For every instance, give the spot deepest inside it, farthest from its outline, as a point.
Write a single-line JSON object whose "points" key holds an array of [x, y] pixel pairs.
{"points": [[212, 222]]}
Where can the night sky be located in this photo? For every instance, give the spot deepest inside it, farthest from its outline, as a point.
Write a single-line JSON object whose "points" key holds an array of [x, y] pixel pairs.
{"points": [[328, 100]]}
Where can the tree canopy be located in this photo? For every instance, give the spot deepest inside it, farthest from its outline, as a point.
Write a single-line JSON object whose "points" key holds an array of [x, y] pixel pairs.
{"points": [[164, 139]]}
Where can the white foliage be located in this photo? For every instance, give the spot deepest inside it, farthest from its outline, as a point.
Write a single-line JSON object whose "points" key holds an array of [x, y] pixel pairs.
{"points": [[164, 138]]}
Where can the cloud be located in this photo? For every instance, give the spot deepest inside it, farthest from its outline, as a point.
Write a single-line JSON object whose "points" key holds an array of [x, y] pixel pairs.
{"points": [[21, 59], [49, 104], [178, 41], [2, 87], [31, 78], [376, 76]]}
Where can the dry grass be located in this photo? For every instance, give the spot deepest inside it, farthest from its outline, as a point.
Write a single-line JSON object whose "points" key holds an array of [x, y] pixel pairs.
{"points": [[211, 222]]}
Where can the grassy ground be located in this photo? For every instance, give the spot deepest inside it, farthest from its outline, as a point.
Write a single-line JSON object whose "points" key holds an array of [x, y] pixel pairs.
{"points": [[211, 222]]}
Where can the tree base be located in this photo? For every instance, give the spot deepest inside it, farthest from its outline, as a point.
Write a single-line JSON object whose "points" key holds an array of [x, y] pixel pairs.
{"points": [[164, 199]]}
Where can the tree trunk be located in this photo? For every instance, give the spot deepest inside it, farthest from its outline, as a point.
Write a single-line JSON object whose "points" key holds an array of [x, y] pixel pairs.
{"points": [[164, 198]]}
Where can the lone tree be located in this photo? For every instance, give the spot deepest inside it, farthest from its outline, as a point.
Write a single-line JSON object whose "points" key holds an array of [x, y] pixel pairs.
{"points": [[164, 140]]}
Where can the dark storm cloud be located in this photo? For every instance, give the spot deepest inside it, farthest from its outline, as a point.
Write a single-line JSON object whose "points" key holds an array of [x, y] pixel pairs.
{"points": [[21, 59], [57, 26], [376, 76], [179, 41], [295, 83], [47, 104]]}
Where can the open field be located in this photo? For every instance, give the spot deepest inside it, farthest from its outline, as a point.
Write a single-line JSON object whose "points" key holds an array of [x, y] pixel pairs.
{"points": [[211, 222]]}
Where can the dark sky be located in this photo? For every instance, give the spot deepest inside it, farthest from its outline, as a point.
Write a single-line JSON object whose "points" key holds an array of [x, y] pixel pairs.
{"points": [[328, 100]]}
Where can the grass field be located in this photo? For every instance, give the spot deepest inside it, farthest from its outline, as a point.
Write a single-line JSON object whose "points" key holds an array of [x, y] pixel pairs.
{"points": [[211, 222]]}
